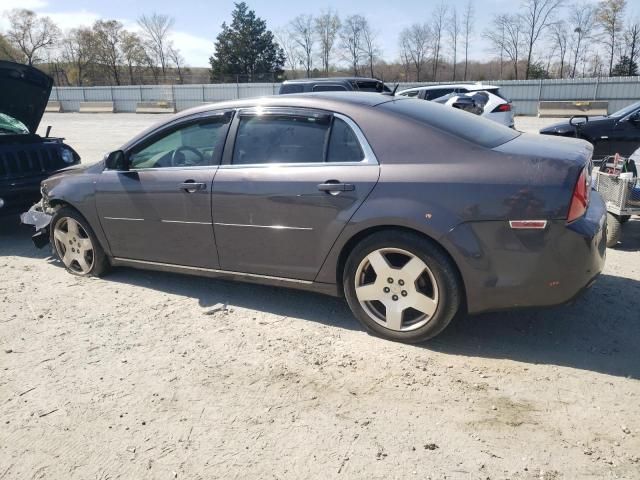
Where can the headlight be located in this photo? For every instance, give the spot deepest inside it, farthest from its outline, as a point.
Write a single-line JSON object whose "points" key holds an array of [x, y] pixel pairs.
{"points": [[67, 155]]}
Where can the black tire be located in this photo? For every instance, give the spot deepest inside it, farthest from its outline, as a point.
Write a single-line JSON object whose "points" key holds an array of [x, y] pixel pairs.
{"points": [[614, 230], [449, 285], [99, 262]]}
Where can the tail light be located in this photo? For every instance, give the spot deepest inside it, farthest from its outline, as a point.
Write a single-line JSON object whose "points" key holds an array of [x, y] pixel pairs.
{"points": [[503, 107], [580, 197]]}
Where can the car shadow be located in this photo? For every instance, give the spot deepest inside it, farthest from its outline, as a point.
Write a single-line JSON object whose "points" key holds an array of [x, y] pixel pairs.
{"points": [[599, 332], [15, 239], [630, 239]]}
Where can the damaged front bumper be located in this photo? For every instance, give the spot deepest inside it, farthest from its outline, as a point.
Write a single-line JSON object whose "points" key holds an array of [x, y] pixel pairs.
{"points": [[39, 216]]}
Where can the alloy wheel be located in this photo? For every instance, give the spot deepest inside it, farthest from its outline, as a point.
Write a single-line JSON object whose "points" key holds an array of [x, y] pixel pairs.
{"points": [[396, 289], [73, 245]]}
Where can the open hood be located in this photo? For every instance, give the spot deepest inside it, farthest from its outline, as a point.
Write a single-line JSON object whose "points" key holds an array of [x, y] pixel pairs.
{"points": [[24, 93]]}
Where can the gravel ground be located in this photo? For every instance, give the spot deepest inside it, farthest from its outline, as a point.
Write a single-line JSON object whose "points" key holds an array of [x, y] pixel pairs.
{"points": [[161, 376]]}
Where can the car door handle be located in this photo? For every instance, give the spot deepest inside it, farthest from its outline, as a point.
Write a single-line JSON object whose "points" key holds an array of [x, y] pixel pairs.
{"points": [[190, 186], [336, 187]]}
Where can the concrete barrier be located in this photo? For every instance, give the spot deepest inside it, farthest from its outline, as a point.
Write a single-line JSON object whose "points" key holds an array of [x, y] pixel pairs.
{"points": [[53, 106], [97, 107], [155, 107], [568, 108]]}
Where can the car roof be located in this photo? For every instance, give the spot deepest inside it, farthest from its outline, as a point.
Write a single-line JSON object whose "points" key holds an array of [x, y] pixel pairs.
{"points": [[468, 86], [330, 79]]}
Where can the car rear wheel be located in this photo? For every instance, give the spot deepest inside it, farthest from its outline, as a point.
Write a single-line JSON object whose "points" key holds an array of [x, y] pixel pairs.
{"points": [[76, 245], [614, 230], [402, 286]]}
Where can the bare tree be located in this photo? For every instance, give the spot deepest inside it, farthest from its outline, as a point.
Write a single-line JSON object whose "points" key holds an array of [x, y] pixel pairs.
{"points": [[155, 30], [370, 48], [30, 34], [609, 18], [414, 43], [632, 40], [560, 42], [290, 48], [453, 29], [467, 25], [78, 49], [351, 41], [505, 35], [176, 58], [108, 35], [327, 26], [437, 28], [132, 52], [581, 18], [537, 17], [302, 33]]}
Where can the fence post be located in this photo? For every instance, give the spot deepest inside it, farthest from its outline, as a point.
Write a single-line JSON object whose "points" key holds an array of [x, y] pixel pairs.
{"points": [[595, 91], [237, 87], [112, 99], [203, 100], [140, 92]]}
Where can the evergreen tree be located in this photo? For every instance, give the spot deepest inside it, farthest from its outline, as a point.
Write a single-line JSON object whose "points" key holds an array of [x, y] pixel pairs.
{"points": [[245, 48]]}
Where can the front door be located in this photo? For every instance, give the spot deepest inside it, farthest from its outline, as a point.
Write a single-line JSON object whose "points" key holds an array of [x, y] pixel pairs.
{"points": [[159, 209], [287, 188]]}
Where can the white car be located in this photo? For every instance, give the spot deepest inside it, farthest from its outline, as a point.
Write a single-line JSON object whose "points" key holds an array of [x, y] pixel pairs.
{"points": [[497, 108]]}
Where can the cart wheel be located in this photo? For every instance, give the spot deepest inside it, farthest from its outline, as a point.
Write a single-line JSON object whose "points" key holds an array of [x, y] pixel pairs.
{"points": [[624, 218], [614, 230]]}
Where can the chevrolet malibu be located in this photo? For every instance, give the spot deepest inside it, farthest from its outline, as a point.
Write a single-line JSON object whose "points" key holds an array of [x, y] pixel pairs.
{"points": [[413, 211]]}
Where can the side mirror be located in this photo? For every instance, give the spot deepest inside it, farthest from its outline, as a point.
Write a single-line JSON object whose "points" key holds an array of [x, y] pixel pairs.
{"points": [[116, 160], [635, 118]]}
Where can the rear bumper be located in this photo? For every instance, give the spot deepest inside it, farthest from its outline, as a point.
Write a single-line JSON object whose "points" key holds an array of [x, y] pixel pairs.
{"points": [[504, 268]]}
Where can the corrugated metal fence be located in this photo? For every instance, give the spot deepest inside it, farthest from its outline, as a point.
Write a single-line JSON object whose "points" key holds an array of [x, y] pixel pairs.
{"points": [[525, 94]]}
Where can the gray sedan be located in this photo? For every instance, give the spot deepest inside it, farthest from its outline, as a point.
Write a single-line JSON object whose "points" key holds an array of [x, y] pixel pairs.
{"points": [[413, 211]]}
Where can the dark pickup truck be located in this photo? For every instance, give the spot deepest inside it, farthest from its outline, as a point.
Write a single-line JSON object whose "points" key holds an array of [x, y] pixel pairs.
{"points": [[26, 158]]}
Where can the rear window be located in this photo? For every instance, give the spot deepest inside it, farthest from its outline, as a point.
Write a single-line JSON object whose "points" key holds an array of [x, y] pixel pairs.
{"points": [[291, 88], [496, 92], [461, 124], [369, 86]]}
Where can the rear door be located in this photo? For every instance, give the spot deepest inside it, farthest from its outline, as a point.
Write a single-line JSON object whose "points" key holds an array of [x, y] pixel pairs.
{"points": [[290, 181], [159, 210]]}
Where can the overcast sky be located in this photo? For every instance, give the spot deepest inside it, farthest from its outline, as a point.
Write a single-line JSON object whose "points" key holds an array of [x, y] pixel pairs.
{"points": [[198, 22]]}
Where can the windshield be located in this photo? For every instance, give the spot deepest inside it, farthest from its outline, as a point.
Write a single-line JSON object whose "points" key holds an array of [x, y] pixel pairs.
{"points": [[11, 126], [626, 110]]}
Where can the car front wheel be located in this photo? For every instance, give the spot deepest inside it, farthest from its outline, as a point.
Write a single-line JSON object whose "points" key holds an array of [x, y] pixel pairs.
{"points": [[402, 286], [76, 245]]}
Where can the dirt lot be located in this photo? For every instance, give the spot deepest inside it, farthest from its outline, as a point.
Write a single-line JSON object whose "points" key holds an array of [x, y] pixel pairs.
{"points": [[153, 375]]}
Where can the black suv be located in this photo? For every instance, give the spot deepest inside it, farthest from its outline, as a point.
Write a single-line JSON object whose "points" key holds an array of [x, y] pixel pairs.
{"points": [[336, 84], [25, 157]]}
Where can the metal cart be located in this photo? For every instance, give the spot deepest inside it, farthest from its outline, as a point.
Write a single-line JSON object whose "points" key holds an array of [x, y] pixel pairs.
{"points": [[621, 196]]}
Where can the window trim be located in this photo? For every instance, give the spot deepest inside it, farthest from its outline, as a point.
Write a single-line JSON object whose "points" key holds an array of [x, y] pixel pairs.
{"points": [[339, 88], [369, 156], [177, 124]]}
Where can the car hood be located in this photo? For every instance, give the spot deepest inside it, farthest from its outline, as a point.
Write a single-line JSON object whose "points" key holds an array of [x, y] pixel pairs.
{"points": [[564, 127], [24, 93]]}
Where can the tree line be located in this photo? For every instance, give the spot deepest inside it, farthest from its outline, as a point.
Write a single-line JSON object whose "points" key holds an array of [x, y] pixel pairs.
{"points": [[104, 53], [542, 39]]}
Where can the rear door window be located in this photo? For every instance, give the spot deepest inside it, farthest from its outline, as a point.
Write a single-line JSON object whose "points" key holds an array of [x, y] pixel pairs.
{"points": [[437, 93], [329, 88], [291, 88], [343, 143], [281, 138]]}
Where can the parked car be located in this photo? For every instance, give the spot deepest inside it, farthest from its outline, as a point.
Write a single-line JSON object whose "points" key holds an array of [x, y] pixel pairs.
{"points": [[25, 157], [497, 107], [611, 134], [335, 84], [411, 210]]}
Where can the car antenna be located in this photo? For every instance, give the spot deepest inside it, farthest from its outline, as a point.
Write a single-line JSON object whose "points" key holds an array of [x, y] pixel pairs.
{"points": [[395, 89]]}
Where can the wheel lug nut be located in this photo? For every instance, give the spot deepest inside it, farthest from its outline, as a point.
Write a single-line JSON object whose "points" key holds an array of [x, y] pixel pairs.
{"points": [[401, 282], [390, 280], [395, 297], [404, 293], [387, 289]]}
